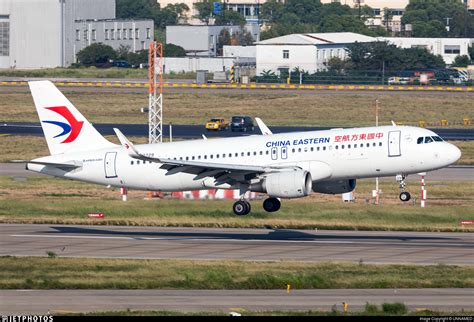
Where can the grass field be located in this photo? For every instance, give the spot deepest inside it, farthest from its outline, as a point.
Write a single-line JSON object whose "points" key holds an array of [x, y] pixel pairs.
{"points": [[386, 309], [49, 200], [89, 72], [275, 108], [86, 273]]}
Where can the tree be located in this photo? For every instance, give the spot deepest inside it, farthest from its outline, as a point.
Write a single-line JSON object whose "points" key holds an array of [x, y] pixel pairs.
{"points": [[129, 9], [272, 11], [230, 17], [95, 54], [172, 50], [224, 39], [137, 58], [243, 38], [471, 52], [461, 61], [338, 65], [429, 18], [122, 52], [171, 15], [204, 9]]}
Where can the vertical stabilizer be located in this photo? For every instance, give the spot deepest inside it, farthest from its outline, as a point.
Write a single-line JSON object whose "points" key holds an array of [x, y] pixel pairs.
{"points": [[65, 128]]}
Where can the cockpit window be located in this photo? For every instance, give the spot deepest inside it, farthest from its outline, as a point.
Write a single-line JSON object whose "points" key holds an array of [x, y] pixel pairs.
{"points": [[437, 139], [428, 139], [419, 140]]}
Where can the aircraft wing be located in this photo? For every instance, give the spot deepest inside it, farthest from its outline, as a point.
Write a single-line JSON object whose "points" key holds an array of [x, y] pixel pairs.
{"points": [[222, 172]]}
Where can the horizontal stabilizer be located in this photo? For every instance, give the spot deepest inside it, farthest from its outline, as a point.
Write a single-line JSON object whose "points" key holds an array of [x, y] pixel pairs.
{"points": [[72, 164]]}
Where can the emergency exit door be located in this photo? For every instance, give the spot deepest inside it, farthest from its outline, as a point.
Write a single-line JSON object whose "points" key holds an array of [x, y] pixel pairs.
{"points": [[109, 165], [394, 149]]}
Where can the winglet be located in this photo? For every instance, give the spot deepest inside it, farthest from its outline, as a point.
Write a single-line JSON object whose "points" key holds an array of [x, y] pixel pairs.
{"points": [[127, 144], [393, 123], [263, 128], [204, 137]]}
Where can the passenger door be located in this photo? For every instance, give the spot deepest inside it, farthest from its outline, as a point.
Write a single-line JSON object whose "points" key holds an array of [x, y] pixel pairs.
{"points": [[110, 165], [394, 149]]}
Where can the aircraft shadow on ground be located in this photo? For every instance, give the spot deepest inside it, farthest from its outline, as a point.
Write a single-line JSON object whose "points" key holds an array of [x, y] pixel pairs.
{"points": [[272, 235]]}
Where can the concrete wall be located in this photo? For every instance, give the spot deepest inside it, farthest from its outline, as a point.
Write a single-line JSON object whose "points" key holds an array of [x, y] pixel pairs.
{"points": [[240, 51], [192, 64], [270, 57]]}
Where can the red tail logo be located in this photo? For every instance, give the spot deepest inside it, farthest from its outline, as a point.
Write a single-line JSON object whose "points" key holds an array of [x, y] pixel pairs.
{"points": [[73, 128]]}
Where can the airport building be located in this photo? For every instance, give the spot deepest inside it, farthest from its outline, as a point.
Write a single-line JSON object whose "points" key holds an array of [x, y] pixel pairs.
{"points": [[47, 33], [309, 52]]}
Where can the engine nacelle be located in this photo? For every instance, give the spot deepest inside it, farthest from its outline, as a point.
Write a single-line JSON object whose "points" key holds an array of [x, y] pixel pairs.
{"points": [[334, 187], [288, 184]]}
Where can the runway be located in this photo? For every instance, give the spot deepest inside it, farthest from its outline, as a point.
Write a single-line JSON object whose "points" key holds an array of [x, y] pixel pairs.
{"points": [[196, 131], [29, 302], [237, 244]]}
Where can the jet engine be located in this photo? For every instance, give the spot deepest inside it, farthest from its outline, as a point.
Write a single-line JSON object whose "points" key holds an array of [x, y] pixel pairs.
{"points": [[334, 187], [288, 184]]}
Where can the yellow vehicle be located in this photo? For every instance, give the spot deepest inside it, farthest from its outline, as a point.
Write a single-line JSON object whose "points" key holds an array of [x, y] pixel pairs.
{"points": [[217, 124]]}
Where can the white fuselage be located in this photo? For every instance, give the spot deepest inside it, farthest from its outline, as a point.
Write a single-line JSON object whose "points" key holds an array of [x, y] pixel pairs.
{"points": [[328, 155]]}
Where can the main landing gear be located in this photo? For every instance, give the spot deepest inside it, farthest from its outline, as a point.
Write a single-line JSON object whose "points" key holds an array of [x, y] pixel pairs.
{"points": [[404, 195], [242, 207]]}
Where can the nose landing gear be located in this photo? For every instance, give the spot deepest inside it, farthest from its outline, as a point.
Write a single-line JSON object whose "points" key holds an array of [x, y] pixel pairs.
{"points": [[404, 195]]}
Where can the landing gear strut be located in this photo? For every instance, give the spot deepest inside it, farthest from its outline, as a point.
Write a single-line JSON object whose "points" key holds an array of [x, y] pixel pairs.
{"points": [[271, 204], [242, 208], [404, 195]]}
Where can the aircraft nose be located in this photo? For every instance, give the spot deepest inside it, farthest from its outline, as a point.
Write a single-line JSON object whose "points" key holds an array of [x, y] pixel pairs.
{"points": [[453, 153]]}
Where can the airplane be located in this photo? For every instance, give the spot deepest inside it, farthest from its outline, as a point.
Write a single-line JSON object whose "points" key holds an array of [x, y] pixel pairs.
{"points": [[283, 166]]}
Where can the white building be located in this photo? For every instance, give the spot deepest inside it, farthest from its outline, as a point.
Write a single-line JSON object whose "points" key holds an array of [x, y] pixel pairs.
{"points": [[448, 48], [309, 52], [49, 33]]}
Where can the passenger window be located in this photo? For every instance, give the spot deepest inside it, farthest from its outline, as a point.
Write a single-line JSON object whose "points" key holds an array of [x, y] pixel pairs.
{"points": [[293, 150], [199, 157], [337, 147], [236, 155], [205, 157], [187, 158], [368, 144], [380, 143], [324, 148], [299, 149], [138, 162], [317, 148], [193, 157], [419, 141], [312, 149], [348, 146], [230, 155], [212, 156], [428, 139], [131, 162], [223, 155], [374, 144], [254, 153], [248, 154], [217, 156], [267, 152], [342, 146], [242, 154]]}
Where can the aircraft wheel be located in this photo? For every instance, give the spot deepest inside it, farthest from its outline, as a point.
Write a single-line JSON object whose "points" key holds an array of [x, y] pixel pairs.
{"points": [[405, 196], [242, 208], [271, 204]]}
